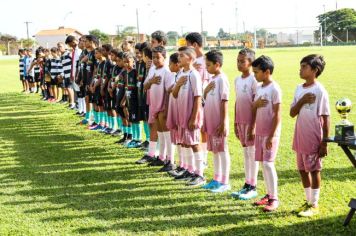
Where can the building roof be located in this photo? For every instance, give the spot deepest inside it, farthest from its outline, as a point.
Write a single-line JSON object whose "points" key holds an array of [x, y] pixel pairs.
{"points": [[59, 31]]}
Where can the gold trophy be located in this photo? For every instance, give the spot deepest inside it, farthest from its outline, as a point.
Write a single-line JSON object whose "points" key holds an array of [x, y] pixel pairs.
{"points": [[344, 130]]}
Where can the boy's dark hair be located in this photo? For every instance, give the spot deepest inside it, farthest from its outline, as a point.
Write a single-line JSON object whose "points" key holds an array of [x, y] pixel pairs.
{"points": [[115, 52], [315, 61], [264, 63], [159, 49], [21, 50], [54, 49], [148, 52], [138, 46], [107, 47], [195, 37], [70, 39], [128, 55], [143, 45], [160, 36], [120, 55], [249, 53], [215, 56], [174, 58], [92, 38]]}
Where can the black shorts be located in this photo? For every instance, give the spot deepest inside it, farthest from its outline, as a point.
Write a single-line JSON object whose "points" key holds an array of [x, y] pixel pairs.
{"points": [[143, 113], [120, 112], [30, 79], [22, 77], [67, 82], [133, 110], [37, 78]]}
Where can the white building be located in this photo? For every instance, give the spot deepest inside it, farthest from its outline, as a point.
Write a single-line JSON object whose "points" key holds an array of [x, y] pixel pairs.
{"points": [[50, 38]]}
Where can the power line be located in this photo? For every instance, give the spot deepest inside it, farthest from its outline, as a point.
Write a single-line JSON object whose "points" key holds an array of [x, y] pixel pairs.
{"points": [[28, 35]]}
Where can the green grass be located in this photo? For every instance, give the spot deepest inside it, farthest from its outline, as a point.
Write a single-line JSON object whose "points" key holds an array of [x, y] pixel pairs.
{"points": [[57, 178]]}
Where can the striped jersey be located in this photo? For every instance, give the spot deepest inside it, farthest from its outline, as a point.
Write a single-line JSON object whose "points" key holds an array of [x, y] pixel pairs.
{"points": [[21, 66], [55, 67], [66, 60]]}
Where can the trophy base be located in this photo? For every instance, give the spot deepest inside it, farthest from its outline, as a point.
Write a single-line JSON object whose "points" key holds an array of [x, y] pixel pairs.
{"points": [[344, 132]]}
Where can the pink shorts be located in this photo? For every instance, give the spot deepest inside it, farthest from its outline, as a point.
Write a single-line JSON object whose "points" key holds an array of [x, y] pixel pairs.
{"points": [[189, 137], [242, 129], [309, 162], [217, 144], [262, 154], [151, 116]]}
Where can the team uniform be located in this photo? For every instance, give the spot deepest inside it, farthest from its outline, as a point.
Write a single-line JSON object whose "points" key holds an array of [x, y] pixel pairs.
{"points": [[131, 93], [309, 124], [89, 73], [55, 67], [66, 61], [22, 68]]}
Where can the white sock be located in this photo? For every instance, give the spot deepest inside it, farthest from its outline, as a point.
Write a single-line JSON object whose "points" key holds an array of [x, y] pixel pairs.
{"points": [[185, 156], [308, 194], [247, 165], [204, 149], [79, 106], [84, 105], [170, 146], [265, 177], [271, 178], [190, 160], [253, 165], [162, 146], [225, 166], [179, 154], [199, 163], [152, 148], [217, 167], [315, 196]]}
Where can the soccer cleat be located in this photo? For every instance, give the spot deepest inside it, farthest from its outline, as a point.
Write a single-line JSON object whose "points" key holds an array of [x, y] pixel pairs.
{"points": [[156, 162], [176, 172], [262, 201], [144, 159], [272, 205], [241, 191], [92, 126], [186, 176], [121, 141], [131, 144], [145, 144], [222, 188], [96, 128], [309, 211], [117, 133], [301, 208], [250, 193], [127, 141], [167, 167], [211, 185], [196, 181]]}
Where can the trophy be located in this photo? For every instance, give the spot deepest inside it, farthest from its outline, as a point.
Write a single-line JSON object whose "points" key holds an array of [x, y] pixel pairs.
{"points": [[344, 130]]}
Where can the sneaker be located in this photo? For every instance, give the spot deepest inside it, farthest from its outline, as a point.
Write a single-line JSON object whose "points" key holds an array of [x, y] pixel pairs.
{"points": [[131, 144], [176, 172], [145, 144], [241, 191], [144, 159], [95, 127], [167, 167], [196, 181], [222, 188], [262, 201], [301, 208], [157, 162], [112, 131], [92, 126], [272, 205], [186, 176], [121, 141], [211, 185], [83, 122], [127, 141], [116, 133], [309, 211], [250, 193]]}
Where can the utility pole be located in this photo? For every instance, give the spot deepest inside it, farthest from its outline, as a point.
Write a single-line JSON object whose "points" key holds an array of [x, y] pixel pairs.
{"points": [[201, 25], [28, 35], [138, 26]]}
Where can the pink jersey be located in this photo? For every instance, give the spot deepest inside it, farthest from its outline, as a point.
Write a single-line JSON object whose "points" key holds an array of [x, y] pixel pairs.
{"points": [[159, 92], [185, 100], [149, 76], [200, 66], [245, 89], [271, 92], [212, 107], [172, 113], [308, 128]]}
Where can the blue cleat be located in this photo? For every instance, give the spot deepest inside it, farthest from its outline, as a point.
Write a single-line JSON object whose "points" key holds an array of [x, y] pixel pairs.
{"points": [[210, 185], [222, 188]]}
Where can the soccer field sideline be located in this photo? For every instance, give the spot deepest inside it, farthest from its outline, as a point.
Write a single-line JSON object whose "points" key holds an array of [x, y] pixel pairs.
{"points": [[338, 184]]}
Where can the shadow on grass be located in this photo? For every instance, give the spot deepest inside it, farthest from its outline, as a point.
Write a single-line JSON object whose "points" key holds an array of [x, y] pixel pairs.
{"points": [[89, 174]]}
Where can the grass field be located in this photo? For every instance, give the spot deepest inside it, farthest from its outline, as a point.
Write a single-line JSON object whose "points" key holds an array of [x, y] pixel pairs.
{"points": [[57, 178]]}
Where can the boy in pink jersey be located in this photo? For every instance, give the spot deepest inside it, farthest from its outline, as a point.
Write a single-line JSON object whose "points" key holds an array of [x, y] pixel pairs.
{"points": [[266, 118], [172, 115], [195, 40], [216, 122], [245, 88], [188, 92], [158, 86], [311, 105]]}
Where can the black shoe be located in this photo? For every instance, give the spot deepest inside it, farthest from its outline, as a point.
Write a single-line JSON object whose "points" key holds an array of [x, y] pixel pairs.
{"points": [[156, 162], [176, 172], [117, 133], [145, 159], [145, 144], [167, 167], [123, 140], [78, 113], [186, 176]]}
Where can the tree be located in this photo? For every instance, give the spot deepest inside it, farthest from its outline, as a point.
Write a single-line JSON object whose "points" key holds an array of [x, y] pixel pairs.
{"points": [[340, 23], [27, 43], [101, 36], [172, 37], [6, 40], [127, 31]]}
